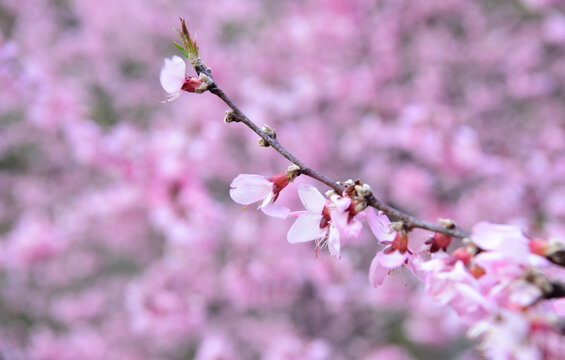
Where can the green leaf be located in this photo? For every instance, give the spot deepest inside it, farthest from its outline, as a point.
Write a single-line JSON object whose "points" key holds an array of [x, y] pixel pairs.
{"points": [[180, 48]]}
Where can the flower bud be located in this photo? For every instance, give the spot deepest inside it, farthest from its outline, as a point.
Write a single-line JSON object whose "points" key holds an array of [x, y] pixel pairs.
{"points": [[262, 143], [446, 223], [439, 242], [292, 172], [205, 83], [191, 84], [230, 116], [272, 133]]}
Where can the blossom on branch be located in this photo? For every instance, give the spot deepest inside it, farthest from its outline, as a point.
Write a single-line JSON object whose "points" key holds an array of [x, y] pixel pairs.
{"points": [[324, 220], [247, 189], [394, 255], [173, 79]]}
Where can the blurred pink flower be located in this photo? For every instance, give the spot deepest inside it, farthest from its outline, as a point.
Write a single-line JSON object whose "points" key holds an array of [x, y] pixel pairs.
{"points": [[34, 240], [505, 335], [456, 286], [506, 239], [247, 189]]}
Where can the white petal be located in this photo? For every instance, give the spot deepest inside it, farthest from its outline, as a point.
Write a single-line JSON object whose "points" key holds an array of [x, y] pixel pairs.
{"points": [[172, 74], [311, 198], [502, 238], [341, 202], [250, 180], [275, 210], [268, 200], [306, 228], [380, 225], [249, 188], [392, 260], [524, 293], [377, 272], [334, 244], [347, 228]]}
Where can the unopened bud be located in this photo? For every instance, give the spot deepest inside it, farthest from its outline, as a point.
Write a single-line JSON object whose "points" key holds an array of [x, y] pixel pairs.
{"points": [[348, 182], [272, 133], [230, 116], [262, 143], [363, 190], [397, 226], [439, 242], [206, 82], [446, 223], [472, 249], [360, 206], [292, 172], [191, 84]]}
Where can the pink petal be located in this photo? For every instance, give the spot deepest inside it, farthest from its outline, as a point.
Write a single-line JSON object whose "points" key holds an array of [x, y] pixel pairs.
{"points": [[392, 260], [306, 228], [341, 202], [377, 273], [503, 238], [249, 188], [380, 225], [311, 198], [172, 74], [524, 293], [341, 220], [334, 243], [353, 229], [275, 210]]}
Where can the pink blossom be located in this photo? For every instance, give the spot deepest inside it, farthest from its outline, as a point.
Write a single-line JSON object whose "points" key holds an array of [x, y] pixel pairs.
{"points": [[394, 255], [454, 285], [391, 257], [247, 189], [505, 239], [505, 335], [172, 76], [323, 221], [380, 226], [174, 79]]}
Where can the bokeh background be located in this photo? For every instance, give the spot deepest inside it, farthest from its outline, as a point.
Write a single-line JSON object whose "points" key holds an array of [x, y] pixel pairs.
{"points": [[118, 239]]}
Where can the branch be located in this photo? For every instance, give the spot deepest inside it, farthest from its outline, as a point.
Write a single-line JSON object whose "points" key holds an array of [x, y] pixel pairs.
{"points": [[410, 222]]}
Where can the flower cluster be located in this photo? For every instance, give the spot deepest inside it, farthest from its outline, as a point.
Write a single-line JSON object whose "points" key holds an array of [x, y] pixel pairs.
{"points": [[501, 283], [327, 222]]}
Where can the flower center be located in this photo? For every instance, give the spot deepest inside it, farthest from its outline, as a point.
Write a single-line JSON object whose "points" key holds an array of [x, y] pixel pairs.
{"points": [[326, 218]]}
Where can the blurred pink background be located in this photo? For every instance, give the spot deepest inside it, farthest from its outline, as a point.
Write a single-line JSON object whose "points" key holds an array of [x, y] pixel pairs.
{"points": [[118, 239]]}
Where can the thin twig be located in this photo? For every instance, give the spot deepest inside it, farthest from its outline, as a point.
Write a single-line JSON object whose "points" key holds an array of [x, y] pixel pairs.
{"points": [[409, 221]]}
